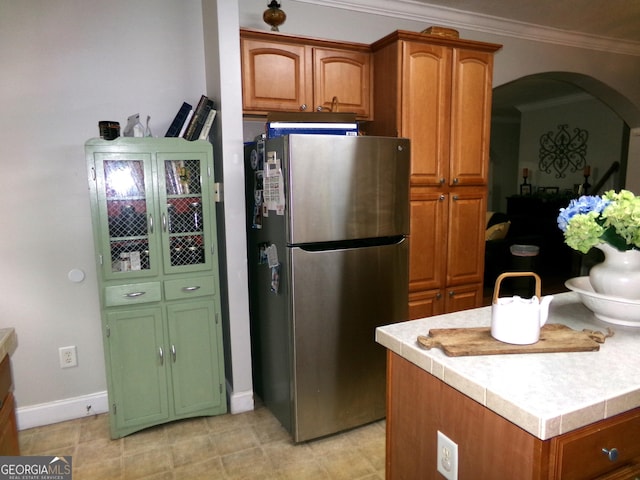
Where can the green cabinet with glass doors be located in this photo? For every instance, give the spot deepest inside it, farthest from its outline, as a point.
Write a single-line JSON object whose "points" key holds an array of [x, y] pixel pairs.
{"points": [[153, 215]]}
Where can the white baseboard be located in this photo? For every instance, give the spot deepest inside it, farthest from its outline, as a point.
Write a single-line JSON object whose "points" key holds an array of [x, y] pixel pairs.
{"points": [[240, 402], [72, 408], [62, 410]]}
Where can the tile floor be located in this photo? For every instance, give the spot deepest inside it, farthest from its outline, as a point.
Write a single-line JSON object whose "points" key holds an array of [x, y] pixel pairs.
{"points": [[251, 445]]}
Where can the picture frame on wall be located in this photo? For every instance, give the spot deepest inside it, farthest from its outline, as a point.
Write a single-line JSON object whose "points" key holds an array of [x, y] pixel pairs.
{"points": [[525, 189], [552, 190]]}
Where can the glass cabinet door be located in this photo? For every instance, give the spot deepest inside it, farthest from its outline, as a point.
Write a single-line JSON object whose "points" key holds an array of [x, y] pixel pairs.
{"points": [[185, 212], [126, 214]]}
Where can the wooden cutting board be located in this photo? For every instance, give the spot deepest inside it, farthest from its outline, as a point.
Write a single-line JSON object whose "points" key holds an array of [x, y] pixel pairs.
{"points": [[458, 342]]}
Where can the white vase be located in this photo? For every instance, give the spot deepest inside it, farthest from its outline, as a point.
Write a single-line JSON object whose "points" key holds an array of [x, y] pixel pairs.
{"points": [[618, 275]]}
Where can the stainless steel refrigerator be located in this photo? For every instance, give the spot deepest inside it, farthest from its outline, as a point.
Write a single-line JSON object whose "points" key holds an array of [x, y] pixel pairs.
{"points": [[327, 223]]}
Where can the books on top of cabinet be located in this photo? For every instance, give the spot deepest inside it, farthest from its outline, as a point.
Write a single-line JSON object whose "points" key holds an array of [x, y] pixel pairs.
{"points": [[193, 124], [179, 120]]}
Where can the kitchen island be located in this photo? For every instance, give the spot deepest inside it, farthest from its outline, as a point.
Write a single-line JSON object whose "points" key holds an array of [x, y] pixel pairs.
{"points": [[524, 416]]}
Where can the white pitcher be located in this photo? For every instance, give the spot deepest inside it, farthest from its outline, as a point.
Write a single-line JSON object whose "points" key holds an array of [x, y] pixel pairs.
{"points": [[518, 320]]}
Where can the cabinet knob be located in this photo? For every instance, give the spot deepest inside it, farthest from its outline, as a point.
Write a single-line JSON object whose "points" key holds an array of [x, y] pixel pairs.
{"points": [[455, 181], [303, 107], [452, 293], [441, 198], [456, 197], [442, 181], [612, 454]]}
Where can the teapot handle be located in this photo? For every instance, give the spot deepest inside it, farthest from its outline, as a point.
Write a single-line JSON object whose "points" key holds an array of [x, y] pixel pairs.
{"points": [[496, 290]]}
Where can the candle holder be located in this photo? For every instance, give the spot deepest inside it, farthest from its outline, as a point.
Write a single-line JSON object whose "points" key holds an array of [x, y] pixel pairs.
{"points": [[525, 188], [586, 185]]}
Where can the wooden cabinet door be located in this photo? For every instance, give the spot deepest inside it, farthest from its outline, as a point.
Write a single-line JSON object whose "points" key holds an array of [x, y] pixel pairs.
{"points": [[426, 304], [463, 297], [470, 117], [425, 110], [194, 357], [465, 253], [427, 240], [137, 364], [344, 75], [275, 76]]}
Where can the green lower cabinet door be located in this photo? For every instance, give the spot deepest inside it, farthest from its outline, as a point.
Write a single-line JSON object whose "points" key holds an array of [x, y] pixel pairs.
{"points": [[138, 369], [195, 343]]}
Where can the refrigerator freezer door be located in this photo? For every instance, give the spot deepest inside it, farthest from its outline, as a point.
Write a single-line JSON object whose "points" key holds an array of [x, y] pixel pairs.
{"points": [[341, 188], [339, 297]]}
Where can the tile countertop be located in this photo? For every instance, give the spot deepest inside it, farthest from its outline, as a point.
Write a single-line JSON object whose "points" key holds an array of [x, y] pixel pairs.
{"points": [[546, 394], [8, 342]]}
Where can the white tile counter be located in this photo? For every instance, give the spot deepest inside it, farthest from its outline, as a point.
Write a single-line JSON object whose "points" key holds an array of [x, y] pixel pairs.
{"points": [[546, 394]]}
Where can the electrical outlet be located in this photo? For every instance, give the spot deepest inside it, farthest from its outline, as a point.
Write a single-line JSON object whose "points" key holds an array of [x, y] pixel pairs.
{"points": [[447, 457], [68, 356]]}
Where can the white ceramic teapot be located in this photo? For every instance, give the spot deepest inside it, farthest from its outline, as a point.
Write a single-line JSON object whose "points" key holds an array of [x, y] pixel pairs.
{"points": [[518, 320]]}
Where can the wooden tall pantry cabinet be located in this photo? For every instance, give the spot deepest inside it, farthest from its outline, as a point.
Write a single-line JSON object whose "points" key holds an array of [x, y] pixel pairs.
{"points": [[157, 259], [436, 91]]}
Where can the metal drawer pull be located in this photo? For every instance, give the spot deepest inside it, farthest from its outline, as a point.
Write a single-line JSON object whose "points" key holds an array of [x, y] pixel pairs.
{"points": [[134, 294], [164, 222], [161, 353], [191, 289], [612, 454], [150, 223], [173, 353]]}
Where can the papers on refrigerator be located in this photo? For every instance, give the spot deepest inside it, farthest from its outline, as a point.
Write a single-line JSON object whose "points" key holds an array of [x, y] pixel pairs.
{"points": [[273, 185]]}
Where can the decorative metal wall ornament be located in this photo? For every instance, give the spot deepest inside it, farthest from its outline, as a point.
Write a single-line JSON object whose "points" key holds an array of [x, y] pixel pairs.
{"points": [[563, 151], [274, 16]]}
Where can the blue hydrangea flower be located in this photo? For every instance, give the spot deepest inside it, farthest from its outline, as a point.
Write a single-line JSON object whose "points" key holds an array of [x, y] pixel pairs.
{"points": [[582, 205]]}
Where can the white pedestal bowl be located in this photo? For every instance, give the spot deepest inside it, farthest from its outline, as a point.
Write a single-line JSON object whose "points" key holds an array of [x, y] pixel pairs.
{"points": [[608, 308]]}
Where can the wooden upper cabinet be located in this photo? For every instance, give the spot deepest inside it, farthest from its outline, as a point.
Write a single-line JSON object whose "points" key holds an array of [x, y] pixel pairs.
{"points": [[274, 76], [425, 110], [287, 73], [470, 114], [345, 76], [441, 101]]}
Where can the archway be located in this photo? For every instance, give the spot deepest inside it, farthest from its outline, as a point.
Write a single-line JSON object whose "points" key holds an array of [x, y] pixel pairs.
{"points": [[544, 89], [560, 91]]}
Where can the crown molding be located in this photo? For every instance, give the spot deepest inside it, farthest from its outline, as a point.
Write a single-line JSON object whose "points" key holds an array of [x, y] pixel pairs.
{"points": [[450, 17]]}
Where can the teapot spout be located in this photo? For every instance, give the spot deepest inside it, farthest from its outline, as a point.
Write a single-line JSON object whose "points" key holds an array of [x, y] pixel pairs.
{"points": [[544, 308]]}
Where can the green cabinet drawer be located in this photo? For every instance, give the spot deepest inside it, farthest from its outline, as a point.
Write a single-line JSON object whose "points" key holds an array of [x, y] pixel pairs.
{"points": [[132, 294], [189, 287]]}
